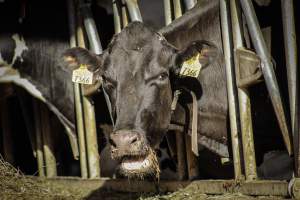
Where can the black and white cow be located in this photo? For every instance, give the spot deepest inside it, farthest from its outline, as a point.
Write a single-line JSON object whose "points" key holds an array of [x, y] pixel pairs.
{"points": [[140, 71], [30, 46]]}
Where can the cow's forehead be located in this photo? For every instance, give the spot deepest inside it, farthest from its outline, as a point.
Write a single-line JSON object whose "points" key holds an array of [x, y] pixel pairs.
{"points": [[141, 49], [138, 36]]}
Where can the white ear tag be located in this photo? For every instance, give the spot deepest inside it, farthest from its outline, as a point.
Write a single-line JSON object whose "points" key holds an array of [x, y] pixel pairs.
{"points": [[82, 75], [191, 67]]}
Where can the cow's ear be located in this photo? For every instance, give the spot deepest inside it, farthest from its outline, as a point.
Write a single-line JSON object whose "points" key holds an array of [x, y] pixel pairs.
{"points": [[194, 58], [76, 57]]}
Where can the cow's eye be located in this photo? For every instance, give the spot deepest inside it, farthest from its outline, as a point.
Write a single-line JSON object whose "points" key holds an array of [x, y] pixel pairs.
{"points": [[163, 76]]}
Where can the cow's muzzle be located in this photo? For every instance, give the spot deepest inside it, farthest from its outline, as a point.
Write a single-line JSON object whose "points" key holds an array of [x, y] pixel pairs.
{"points": [[127, 143], [137, 159]]}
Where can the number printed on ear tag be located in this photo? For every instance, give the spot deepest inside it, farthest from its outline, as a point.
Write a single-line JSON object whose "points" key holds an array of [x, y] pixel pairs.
{"points": [[82, 75], [191, 67]]}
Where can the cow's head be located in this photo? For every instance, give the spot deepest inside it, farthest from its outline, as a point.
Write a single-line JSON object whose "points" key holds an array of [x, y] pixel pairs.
{"points": [[137, 71]]}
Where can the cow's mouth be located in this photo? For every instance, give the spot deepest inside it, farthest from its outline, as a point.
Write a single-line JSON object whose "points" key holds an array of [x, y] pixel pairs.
{"points": [[140, 166]]}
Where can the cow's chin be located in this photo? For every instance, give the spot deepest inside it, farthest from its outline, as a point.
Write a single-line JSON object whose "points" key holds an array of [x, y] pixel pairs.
{"points": [[140, 167]]}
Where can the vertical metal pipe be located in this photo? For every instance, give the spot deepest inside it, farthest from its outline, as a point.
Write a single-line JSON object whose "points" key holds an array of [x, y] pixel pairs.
{"points": [[192, 161], [168, 12], [180, 138], [232, 95], [177, 8], [290, 48], [297, 136], [91, 30], [48, 148], [267, 69], [88, 107], [244, 99], [80, 131], [124, 17], [91, 139], [39, 139], [189, 4], [77, 94], [117, 18], [134, 11]]}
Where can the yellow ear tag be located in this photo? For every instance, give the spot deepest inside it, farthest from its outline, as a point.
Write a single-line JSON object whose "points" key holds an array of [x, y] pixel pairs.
{"points": [[82, 75], [191, 67]]}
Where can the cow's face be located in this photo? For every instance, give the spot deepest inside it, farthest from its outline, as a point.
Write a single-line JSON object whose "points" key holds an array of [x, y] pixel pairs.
{"points": [[135, 71]]}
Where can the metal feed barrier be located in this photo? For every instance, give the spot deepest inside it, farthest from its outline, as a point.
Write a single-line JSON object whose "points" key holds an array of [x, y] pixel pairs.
{"points": [[239, 63]]}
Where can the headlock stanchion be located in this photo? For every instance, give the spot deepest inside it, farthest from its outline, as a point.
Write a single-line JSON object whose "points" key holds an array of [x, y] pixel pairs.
{"points": [[46, 161], [48, 146], [167, 12], [134, 11], [290, 47], [117, 18], [88, 107], [189, 4], [231, 89], [73, 29], [180, 138], [124, 12], [268, 70], [243, 96], [177, 8]]}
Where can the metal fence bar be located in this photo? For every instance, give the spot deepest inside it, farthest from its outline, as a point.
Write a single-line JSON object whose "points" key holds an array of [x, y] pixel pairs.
{"points": [[117, 18], [182, 149], [267, 69], [88, 107], [290, 47], [189, 4], [244, 99], [177, 8], [125, 19], [48, 148], [192, 160], [74, 30], [134, 11], [232, 95], [168, 12]]}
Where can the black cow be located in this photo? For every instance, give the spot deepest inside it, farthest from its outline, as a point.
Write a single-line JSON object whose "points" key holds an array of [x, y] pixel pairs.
{"points": [[140, 71]]}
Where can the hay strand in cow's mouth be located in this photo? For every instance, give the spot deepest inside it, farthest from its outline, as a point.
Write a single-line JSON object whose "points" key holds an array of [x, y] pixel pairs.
{"points": [[142, 173]]}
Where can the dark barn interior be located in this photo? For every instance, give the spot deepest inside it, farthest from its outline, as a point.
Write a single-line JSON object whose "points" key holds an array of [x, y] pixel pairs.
{"points": [[45, 26]]}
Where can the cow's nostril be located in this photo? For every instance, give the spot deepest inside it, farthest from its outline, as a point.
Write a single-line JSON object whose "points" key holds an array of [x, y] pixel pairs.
{"points": [[134, 140], [112, 143]]}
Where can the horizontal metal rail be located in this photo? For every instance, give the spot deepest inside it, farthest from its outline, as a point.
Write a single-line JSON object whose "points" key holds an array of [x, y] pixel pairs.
{"points": [[256, 188]]}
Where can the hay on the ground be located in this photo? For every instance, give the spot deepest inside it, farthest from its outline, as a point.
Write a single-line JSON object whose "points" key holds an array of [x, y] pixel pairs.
{"points": [[14, 185]]}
